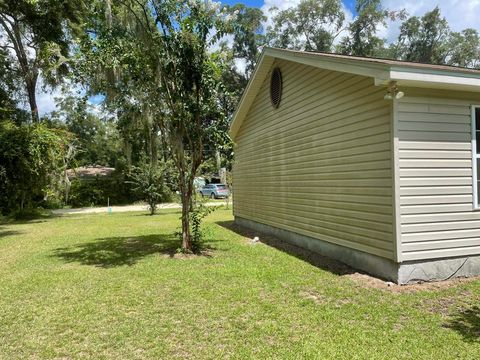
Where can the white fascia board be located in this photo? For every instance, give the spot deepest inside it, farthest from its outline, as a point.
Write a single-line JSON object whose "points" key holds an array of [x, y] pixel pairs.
{"points": [[250, 92], [382, 73], [311, 59], [333, 64], [433, 79]]}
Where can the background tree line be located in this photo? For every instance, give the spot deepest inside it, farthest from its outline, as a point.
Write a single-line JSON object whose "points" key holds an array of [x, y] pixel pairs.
{"points": [[320, 26], [170, 74]]}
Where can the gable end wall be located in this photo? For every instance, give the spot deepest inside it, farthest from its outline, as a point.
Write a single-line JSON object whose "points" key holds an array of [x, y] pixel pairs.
{"points": [[320, 164]]}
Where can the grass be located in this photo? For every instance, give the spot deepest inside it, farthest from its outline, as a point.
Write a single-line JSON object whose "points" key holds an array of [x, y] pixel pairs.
{"points": [[110, 287]]}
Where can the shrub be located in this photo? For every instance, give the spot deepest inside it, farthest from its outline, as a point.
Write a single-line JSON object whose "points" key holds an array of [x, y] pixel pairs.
{"points": [[96, 191], [199, 212], [85, 193], [32, 158], [149, 183]]}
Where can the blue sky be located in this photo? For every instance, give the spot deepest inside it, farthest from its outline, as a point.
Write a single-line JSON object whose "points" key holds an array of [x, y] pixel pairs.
{"points": [[460, 14], [252, 3], [349, 4]]}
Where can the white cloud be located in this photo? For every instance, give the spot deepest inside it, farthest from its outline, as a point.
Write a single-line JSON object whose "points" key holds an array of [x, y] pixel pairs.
{"points": [[46, 101], [241, 65], [280, 4], [269, 10], [460, 14]]}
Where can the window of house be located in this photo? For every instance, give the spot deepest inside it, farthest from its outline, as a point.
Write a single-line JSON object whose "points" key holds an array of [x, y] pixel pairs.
{"points": [[476, 155]]}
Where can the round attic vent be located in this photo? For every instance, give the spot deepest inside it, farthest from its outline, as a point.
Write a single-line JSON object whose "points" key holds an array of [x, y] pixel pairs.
{"points": [[276, 87]]}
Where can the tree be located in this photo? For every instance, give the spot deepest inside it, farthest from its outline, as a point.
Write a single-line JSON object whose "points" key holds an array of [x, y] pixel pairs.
{"points": [[423, 39], [159, 54], [32, 161], [98, 138], [35, 37], [231, 87], [189, 79], [247, 27], [149, 182], [312, 25], [362, 39], [8, 91], [464, 49], [107, 63]]}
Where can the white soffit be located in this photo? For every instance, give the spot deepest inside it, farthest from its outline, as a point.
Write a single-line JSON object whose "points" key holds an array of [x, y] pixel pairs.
{"points": [[436, 79]]}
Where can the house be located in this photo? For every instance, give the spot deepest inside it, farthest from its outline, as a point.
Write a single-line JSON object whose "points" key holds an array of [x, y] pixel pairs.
{"points": [[372, 162], [90, 172]]}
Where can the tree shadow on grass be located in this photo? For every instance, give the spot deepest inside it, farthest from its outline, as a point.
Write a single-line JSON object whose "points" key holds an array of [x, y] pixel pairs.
{"points": [[35, 218], [147, 214], [119, 251], [5, 233], [467, 323], [315, 259]]}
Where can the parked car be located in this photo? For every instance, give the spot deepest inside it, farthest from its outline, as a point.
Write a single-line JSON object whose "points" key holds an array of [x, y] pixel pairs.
{"points": [[215, 191]]}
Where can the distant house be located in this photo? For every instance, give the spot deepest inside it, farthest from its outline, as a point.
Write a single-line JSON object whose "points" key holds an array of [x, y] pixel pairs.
{"points": [[89, 172], [372, 162]]}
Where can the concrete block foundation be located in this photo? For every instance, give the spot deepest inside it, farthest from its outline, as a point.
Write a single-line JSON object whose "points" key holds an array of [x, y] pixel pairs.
{"points": [[400, 273]]}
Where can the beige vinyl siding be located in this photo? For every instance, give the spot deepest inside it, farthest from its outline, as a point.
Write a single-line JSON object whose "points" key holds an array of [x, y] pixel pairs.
{"points": [[436, 188], [320, 164]]}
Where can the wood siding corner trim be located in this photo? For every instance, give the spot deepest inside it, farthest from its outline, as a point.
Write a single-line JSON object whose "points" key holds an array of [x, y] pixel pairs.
{"points": [[397, 224], [476, 205]]}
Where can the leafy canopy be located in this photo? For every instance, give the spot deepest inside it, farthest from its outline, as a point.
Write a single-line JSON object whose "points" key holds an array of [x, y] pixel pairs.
{"points": [[312, 25]]}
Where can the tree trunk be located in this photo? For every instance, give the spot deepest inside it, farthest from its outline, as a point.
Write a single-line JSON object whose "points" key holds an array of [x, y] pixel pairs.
{"points": [[154, 145], [128, 152], [68, 185], [186, 240], [22, 201], [32, 97], [218, 160], [108, 13], [186, 185], [28, 70]]}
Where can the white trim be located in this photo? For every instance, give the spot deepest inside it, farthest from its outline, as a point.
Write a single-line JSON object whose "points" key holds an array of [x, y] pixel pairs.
{"points": [[436, 77], [475, 156], [437, 80], [345, 65], [395, 163], [250, 92], [382, 72]]}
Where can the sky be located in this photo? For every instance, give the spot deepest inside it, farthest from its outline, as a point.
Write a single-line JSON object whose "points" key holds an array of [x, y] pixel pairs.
{"points": [[460, 14]]}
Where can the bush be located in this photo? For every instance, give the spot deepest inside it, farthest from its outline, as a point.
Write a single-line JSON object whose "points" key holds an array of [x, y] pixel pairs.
{"points": [[32, 158], [149, 183], [199, 212], [96, 191], [84, 193], [28, 214]]}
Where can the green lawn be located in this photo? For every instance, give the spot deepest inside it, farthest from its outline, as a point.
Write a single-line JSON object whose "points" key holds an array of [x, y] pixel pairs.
{"points": [[107, 286]]}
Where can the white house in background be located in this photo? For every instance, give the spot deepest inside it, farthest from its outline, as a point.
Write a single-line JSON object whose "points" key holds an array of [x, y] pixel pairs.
{"points": [[369, 161]]}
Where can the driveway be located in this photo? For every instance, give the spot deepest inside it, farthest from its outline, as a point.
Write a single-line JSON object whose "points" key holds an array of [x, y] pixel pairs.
{"points": [[125, 208]]}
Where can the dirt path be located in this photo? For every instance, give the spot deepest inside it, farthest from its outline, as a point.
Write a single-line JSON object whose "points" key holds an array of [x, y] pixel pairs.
{"points": [[125, 208]]}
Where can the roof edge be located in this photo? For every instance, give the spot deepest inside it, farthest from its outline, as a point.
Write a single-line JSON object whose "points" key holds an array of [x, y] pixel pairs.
{"points": [[381, 70], [241, 107], [269, 55]]}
